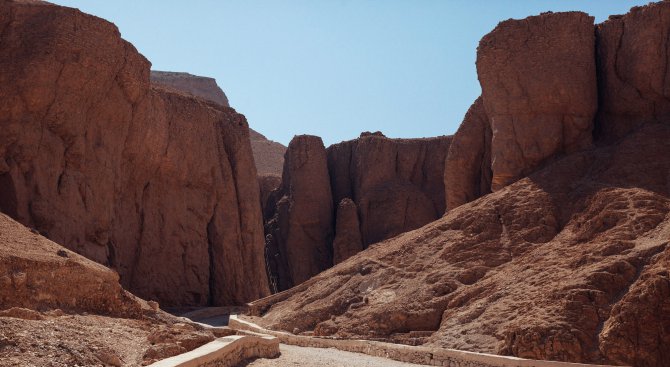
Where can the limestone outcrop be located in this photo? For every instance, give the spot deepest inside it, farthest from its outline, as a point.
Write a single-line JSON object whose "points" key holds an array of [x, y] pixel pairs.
{"points": [[158, 185], [538, 78], [301, 227]]}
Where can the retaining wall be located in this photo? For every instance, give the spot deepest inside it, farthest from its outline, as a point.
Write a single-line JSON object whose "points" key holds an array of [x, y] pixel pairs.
{"points": [[404, 353], [225, 352]]}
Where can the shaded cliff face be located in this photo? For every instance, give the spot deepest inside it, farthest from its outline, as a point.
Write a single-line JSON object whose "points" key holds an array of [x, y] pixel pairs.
{"points": [[157, 185], [299, 230], [268, 154], [396, 184], [354, 193]]}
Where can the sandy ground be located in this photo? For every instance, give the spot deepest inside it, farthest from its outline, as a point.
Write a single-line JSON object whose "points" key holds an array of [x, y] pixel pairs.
{"points": [[321, 357]]}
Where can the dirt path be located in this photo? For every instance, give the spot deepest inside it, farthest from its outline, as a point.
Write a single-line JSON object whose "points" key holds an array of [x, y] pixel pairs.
{"points": [[321, 357]]}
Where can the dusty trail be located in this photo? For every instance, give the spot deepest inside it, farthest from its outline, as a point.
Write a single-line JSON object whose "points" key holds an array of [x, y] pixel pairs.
{"points": [[321, 357]]}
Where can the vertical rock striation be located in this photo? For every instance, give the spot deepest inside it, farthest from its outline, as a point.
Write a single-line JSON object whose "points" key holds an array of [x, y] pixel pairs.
{"points": [[301, 228], [539, 89], [155, 184]]}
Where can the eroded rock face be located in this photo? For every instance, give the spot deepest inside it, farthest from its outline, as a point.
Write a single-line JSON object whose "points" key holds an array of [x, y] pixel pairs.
{"points": [[538, 79], [397, 184], [157, 185], [633, 57], [348, 240], [268, 154], [467, 172], [533, 270], [199, 86], [301, 228]]}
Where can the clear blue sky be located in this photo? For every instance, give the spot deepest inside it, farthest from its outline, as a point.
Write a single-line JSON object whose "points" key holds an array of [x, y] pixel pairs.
{"points": [[331, 68]]}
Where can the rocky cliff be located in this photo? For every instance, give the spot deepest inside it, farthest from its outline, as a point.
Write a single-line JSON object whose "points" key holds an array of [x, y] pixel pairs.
{"points": [[268, 154], [383, 187], [157, 185], [199, 86], [568, 263]]}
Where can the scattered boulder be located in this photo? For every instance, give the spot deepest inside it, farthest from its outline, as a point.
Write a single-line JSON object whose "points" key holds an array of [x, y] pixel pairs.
{"points": [[539, 89]]}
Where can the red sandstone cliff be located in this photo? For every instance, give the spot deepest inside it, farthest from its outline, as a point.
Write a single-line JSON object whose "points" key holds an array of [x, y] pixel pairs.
{"points": [[383, 186], [157, 185], [268, 154], [569, 263]]}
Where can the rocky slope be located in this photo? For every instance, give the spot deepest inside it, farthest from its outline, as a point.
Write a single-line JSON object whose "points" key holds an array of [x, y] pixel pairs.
{"points": [[59, 308], [157, 185], [364, 190], [268, 154], [569, 263]]}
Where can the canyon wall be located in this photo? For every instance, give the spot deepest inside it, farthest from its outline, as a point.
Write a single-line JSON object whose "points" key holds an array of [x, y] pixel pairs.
{"points": [[268, 154], [568, 263], [157, 185], [369, 189]]}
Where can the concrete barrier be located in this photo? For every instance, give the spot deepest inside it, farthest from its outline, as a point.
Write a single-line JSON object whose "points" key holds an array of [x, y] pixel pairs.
{"points": [[404, 353], [225, 352]]}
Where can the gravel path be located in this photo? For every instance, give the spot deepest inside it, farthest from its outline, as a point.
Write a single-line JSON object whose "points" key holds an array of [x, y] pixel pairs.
{"points": [[321, 357]]}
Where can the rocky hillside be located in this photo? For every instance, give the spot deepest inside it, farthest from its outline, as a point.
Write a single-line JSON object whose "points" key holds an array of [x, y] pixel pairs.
{"points": [[334, 202], [268, 154], [157, 185], [59, 308], [569, 263]]}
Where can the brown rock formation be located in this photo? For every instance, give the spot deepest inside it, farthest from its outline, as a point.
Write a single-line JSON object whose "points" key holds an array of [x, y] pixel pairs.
{"points": [[534, 270], [348, 240], [157, 185], [633, 70], [59, 308], [397, 184], [199, 86], [467, 172], [538, 79], [268, 154], [267, 184], [300, 231]]}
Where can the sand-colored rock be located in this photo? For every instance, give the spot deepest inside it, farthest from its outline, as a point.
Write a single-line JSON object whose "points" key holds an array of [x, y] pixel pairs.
{"points": [[538, 79], [348, 240], [268, 154], [467, 172], [533, 270], [157, 185], [397, 184], [633, 70], [301, 229]]}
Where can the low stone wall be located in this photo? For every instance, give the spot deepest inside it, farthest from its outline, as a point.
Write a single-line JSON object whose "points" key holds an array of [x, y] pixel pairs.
{"points": [[403, 353], [225, 352]]}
